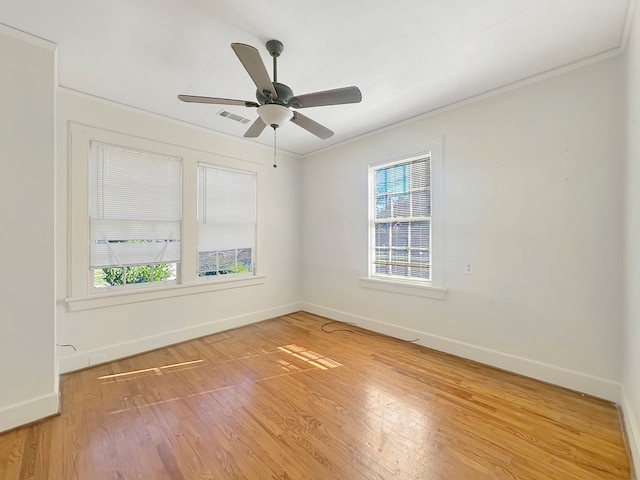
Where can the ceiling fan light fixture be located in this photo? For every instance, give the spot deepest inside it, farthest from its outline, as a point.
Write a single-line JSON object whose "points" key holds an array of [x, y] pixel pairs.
{"points": [[274, 115]]}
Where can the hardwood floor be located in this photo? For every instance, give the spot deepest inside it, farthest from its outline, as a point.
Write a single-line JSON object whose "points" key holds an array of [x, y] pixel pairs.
{"points": [[282, 399]]}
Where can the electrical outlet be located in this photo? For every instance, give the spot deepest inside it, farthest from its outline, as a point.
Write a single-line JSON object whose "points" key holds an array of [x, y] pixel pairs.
{"points": [[468, 268]]}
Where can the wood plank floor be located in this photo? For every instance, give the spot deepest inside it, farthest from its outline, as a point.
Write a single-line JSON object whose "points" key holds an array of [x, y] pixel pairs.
{"points": [[282, 399]]}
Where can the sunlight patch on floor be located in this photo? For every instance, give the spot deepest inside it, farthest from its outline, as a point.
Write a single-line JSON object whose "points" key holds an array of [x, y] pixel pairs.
{"points": [[310, 357], [156, 370]]}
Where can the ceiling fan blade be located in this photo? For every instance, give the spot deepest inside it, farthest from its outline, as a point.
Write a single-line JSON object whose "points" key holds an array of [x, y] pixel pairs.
{"points": [[217, 101], [252, 61], [337, 96], [255, 129], [311, 126]]}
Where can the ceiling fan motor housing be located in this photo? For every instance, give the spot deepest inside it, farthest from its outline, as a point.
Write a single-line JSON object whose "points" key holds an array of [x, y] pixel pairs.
{"points": [[283, 91]]}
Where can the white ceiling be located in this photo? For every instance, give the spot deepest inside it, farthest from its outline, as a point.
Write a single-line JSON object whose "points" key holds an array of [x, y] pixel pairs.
{"points": [[407, 56]]}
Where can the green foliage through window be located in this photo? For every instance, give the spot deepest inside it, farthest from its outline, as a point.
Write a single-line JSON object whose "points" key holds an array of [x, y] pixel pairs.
{"points": [[113, 276]]}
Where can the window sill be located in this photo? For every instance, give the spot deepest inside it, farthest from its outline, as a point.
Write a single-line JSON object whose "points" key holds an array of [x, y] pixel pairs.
{"points": [[404, 287], [122, 297]]}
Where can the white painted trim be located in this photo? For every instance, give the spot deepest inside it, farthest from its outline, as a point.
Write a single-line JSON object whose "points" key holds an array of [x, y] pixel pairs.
{"points": [[628, 23], [26, 37], [540, 77], [403, 287], [27, 412], [136, 295], [435, 111], [580, 382], [56, 372], [632, 428], [80, 360]]}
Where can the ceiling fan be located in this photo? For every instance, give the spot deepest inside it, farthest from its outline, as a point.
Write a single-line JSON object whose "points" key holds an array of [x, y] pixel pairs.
{"points": [[276, 101]]}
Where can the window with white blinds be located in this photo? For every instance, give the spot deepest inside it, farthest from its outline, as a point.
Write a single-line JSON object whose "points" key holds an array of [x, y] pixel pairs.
{"points": [[401, 219], [134, 207], [226, 221]]}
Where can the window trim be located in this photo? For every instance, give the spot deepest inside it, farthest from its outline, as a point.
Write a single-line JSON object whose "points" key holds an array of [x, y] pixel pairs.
{"points": [[406, 287], [434, 288], [142, 294], [80, 291]]}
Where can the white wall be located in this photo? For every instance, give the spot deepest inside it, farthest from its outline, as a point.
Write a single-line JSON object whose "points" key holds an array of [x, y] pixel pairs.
{"points": [[27, 322], [532, 196], [631, 382], [110, 332]]}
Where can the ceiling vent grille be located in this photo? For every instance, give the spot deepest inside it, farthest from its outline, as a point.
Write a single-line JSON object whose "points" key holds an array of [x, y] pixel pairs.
{"points": [[233, 116]]}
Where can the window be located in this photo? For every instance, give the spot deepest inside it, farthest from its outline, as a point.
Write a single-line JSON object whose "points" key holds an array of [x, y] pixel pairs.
{"points": [[139, 229], [226, 221], [134, 216], [401, 220], [406, 237]]}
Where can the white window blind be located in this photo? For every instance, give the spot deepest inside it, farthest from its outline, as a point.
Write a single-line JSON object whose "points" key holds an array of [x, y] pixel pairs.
{"points": [[401, 226], [226, 221], [134, 207]]}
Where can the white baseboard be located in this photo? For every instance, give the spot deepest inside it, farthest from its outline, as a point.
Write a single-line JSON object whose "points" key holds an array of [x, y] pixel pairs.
{"points": [[598, 387], [30, 411], [632, 427], [80, 360], [573, 380]]}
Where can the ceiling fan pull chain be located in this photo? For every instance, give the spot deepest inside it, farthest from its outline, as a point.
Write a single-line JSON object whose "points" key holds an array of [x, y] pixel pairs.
{"points": [[274, 148]]}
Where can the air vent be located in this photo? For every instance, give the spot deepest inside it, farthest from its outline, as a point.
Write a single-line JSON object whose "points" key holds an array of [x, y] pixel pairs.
{"points": [[233, 116]]}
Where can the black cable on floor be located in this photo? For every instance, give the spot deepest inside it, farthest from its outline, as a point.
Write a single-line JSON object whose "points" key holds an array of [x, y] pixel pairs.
{"points": [[361, 332]]}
